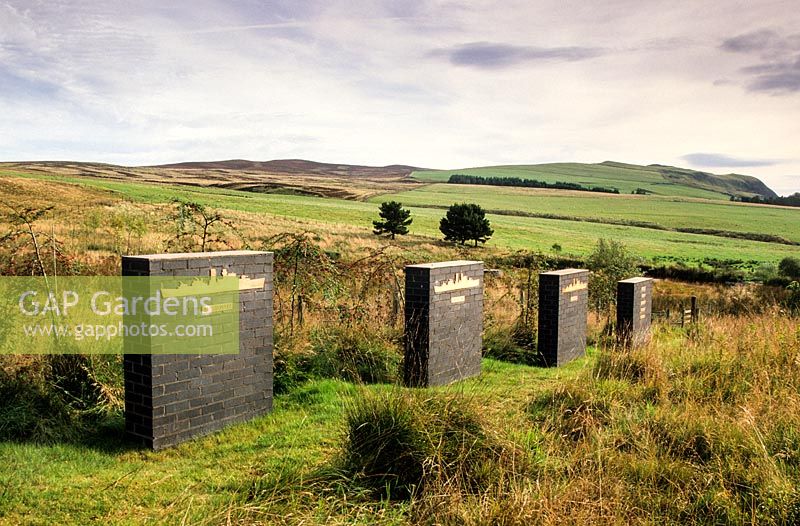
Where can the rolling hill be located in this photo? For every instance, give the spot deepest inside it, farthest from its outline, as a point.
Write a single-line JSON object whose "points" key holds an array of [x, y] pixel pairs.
{"points": [[292, 176], [359, 182], [298, 167], [653, 179]]}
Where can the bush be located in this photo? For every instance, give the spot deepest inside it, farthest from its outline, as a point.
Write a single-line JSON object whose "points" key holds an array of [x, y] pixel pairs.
{"points": [[609, 263], [356, 356], [31, 411], [790, 267]]}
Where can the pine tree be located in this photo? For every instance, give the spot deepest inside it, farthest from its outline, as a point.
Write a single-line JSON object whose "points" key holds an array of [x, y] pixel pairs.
{"points": [[466, 222], [395, 219]]}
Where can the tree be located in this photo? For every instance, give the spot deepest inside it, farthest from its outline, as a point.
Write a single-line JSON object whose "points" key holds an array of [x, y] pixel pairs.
{"points": [[465, 222], [790, 267], [395, 219], [198, 227], [610, 262]]}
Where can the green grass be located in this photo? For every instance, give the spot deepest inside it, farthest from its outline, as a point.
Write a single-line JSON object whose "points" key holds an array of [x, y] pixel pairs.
{"points": [[698, 427], [624, 177], [114, 482], [515, 233], [669, 212]]}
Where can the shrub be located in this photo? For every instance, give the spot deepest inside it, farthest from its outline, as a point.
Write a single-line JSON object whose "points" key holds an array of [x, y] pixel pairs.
{"points": [[355, 355], [514, 345], [31, 411], [609, 263], [790, 267], [58, 398]]}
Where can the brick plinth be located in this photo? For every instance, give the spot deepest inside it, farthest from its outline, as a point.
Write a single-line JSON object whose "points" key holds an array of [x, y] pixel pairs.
{"points": [[634, 310], [170, 398], [563, 302], [444, 322]]}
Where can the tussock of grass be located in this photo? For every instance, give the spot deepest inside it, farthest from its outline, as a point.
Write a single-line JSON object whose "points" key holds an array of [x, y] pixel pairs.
{"points": [[355, 354], [516, 344], [404, 443], [57, 398]]}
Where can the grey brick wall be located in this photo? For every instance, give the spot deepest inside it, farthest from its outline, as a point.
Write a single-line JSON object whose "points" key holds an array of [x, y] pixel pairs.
{"points": [[172, 398], [634, 310], [444, 322], [563, 303]]}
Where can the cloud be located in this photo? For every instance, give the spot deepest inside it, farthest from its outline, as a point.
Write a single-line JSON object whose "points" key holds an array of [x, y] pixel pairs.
{"points": [[778, 77], [755, 41], [151, 82], [489, 55], [779, 69], [719, 160]]}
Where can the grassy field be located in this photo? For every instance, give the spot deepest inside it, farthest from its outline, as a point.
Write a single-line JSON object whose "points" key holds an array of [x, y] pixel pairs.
{"points": [[699, 427], [205, 480], [669, 212], [626, 178], [510, 232]]}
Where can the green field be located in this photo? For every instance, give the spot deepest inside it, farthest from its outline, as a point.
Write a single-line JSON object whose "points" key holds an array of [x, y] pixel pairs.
{"points": [[510, 232], [211, 479], [626, 178], [669, 212]]}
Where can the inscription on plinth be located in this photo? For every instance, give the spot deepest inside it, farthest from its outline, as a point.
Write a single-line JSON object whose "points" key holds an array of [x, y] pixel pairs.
{"points": [[443, 322]]}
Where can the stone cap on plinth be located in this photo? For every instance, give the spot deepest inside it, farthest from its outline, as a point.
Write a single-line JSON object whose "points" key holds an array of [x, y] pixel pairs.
{"points": [[635, 280], [190, 255], [563, 272], [444, 264]]}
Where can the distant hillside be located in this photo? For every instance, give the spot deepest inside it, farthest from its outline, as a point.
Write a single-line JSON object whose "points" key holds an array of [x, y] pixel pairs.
{"points": [[361, 182], [628, 178], [735, 184], [293, 176], [297, 167]]}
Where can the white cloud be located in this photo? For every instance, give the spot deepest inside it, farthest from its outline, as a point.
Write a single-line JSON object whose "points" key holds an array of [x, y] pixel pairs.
{"points": [[143, 83]]}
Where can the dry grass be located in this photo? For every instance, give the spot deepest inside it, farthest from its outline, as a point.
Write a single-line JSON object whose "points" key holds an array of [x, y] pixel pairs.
{"points": [[324, 182]]}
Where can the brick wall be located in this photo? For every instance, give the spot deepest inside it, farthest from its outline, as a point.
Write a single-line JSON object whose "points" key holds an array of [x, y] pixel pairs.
{"points": [[444, 322], [634, 310], [563, 303], [172, 398]]}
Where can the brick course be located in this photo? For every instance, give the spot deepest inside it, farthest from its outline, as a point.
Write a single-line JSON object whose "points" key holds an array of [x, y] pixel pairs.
{"points": [[444, 322], [170, 398]]}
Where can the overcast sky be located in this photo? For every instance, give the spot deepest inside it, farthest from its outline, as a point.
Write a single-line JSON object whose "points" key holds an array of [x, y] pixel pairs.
{"points": [[708, 84]]}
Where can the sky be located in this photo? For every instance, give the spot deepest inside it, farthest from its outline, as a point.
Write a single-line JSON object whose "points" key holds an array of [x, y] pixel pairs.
{"points": [[708, 84]]}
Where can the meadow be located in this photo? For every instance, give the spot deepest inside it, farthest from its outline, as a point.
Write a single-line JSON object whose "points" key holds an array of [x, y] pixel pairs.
{"points": [[698, 427], [511, 232], [660, 211], [683, 431]]}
